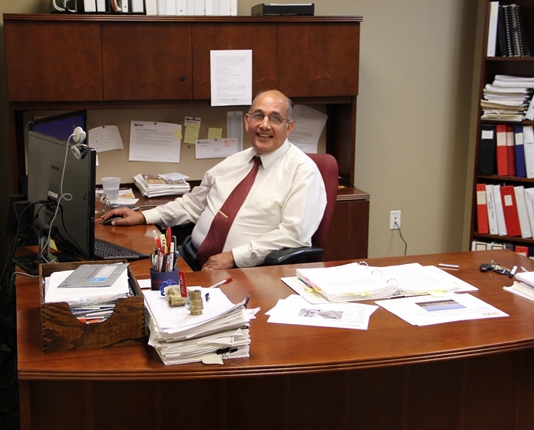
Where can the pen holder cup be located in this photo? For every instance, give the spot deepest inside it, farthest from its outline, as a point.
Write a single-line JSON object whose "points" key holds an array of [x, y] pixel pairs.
{"points": [[160, 280]]}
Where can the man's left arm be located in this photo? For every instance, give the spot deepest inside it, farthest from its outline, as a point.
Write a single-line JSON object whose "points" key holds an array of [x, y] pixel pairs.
{"points": [[301, 215]]}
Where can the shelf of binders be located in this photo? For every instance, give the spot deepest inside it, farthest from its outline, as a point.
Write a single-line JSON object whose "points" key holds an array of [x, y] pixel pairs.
{"points": [[507, 60]]}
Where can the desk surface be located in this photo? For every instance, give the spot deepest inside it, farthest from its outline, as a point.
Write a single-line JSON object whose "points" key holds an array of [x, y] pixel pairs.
{"points": [[283, 349]]}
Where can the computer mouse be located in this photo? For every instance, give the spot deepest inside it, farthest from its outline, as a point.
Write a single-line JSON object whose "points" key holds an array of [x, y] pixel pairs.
{"points": [[110, 220]]}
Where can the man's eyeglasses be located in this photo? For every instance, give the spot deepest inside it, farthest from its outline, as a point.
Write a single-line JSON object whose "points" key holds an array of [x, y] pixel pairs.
{"points": [[274, 119]]}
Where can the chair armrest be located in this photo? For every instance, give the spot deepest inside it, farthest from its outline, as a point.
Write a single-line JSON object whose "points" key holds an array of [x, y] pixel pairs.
{"points": [[292, 255]]}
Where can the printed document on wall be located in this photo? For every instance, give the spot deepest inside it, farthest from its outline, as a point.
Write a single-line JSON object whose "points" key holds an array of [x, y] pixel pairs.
{"points": [[231, 77], [309, 124], [105, 138], [155, 141]]}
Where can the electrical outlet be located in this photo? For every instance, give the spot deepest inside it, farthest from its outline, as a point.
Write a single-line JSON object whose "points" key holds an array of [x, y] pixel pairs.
{"points": [[394, 220]]}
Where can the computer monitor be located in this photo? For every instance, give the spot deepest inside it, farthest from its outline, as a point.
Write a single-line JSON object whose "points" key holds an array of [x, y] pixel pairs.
{"points": [[60, 126], [61, 188]]}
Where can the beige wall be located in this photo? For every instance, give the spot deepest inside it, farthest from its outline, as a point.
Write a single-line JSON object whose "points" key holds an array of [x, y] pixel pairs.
{"points": [[414, 132]]}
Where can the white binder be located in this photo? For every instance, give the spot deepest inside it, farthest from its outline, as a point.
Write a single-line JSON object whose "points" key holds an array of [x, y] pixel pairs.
{"points": [[89, 6]]}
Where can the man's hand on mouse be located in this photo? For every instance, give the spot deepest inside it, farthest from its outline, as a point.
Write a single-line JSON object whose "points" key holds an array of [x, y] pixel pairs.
{"points": [[128, 216]]}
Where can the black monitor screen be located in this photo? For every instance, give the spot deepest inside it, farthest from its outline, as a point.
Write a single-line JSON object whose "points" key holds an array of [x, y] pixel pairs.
{"points": [[56, 175]]}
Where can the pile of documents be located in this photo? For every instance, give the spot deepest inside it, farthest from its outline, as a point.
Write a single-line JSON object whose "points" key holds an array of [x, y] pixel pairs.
{"points": [[167, 184], [220, 332], [354, 281], [91, 290], [508, 98], [523, 285], [420, 295]]}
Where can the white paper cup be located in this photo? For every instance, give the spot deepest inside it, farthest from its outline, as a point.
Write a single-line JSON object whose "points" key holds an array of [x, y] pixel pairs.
{"points": [[111, 186]]}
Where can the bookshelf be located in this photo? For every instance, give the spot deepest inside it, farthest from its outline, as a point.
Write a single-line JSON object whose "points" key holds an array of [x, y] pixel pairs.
{"points": [[492, 66]]}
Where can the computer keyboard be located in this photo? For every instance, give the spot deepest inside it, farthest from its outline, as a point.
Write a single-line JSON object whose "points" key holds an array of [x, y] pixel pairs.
{"points": [[105, 250]]}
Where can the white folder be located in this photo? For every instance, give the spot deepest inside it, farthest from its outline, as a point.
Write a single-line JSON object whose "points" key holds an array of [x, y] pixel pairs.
{"points": [[151, 7], [199, 7], [137, 6], [170, 9], [528, 146], [499, 210], [162, 7], [529, 202], [181, 7], [492, 214], [89, 6], [524, 223], [101, 5], [191, 7], [225, 8]]}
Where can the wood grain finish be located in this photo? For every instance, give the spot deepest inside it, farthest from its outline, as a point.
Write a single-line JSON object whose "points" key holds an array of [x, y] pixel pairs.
{"points": [[463, 375]]}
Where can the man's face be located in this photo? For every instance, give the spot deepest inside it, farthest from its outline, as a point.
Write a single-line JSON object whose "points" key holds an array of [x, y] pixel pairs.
{"points": [[264, 135]]}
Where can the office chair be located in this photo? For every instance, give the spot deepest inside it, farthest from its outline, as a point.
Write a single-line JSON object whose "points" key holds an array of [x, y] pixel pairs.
{"points": [[328, 168], [327, 165]]}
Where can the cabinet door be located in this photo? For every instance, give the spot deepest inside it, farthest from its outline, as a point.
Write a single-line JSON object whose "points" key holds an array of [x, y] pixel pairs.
{"points": [[146, 61], [318, 59], [53, 61], [261, 38]]}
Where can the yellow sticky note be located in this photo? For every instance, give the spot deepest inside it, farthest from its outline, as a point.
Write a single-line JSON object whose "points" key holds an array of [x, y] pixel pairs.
{"points": [[178, 134], [214, 133], [192, 129]]}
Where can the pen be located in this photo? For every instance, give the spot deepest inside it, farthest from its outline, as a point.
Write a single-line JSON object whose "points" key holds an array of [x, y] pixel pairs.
{"points": [[156, 239], [512, 272], [224, 281], [449, 266]]}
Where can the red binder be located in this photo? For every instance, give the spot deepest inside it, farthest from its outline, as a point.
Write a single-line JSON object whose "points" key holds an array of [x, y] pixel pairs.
{"points": [[521, 249], [502, 151], [511, 217], [510, 146], [482, 209]]}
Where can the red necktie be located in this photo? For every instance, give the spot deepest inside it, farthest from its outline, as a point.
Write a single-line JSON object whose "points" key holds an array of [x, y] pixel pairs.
{"points": [[216, 237]]}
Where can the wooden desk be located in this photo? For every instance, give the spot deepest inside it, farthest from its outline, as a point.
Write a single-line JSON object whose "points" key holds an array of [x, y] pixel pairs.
{"points": [[463, 375]]}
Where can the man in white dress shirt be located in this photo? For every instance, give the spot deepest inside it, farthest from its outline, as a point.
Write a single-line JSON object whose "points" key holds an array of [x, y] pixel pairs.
{"points": [[282, 210]]}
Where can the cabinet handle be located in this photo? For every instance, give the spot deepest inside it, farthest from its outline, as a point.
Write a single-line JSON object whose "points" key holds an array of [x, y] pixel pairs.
{"points": [[182, 78]]}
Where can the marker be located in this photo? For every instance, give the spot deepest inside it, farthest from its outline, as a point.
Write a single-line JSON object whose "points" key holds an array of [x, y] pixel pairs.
{"points": [[449, 266], [512, 272], [224, 281]]}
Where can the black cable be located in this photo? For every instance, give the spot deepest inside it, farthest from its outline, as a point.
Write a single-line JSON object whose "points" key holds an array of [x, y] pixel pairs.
{"points": [[400, 233]]}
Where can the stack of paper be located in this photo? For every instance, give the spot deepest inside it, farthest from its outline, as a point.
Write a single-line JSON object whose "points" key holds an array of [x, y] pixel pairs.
{"points": [[162, 185], [91, 290], [179, 337], [523, 286], [507, 98]]}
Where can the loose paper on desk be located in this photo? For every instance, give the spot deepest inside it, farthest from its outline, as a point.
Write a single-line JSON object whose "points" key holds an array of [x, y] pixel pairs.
{"points": [[427, 310], [155, 141], [105, 138], [215, 148], [231, 77], [309, 124], [296, 310]]}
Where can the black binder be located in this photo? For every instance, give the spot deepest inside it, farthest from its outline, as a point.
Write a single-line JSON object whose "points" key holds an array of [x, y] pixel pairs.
{"points": [[486, 150]]}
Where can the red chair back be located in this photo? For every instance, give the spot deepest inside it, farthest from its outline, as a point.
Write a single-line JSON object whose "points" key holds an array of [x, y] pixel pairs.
{"points": [[327, 165]]}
